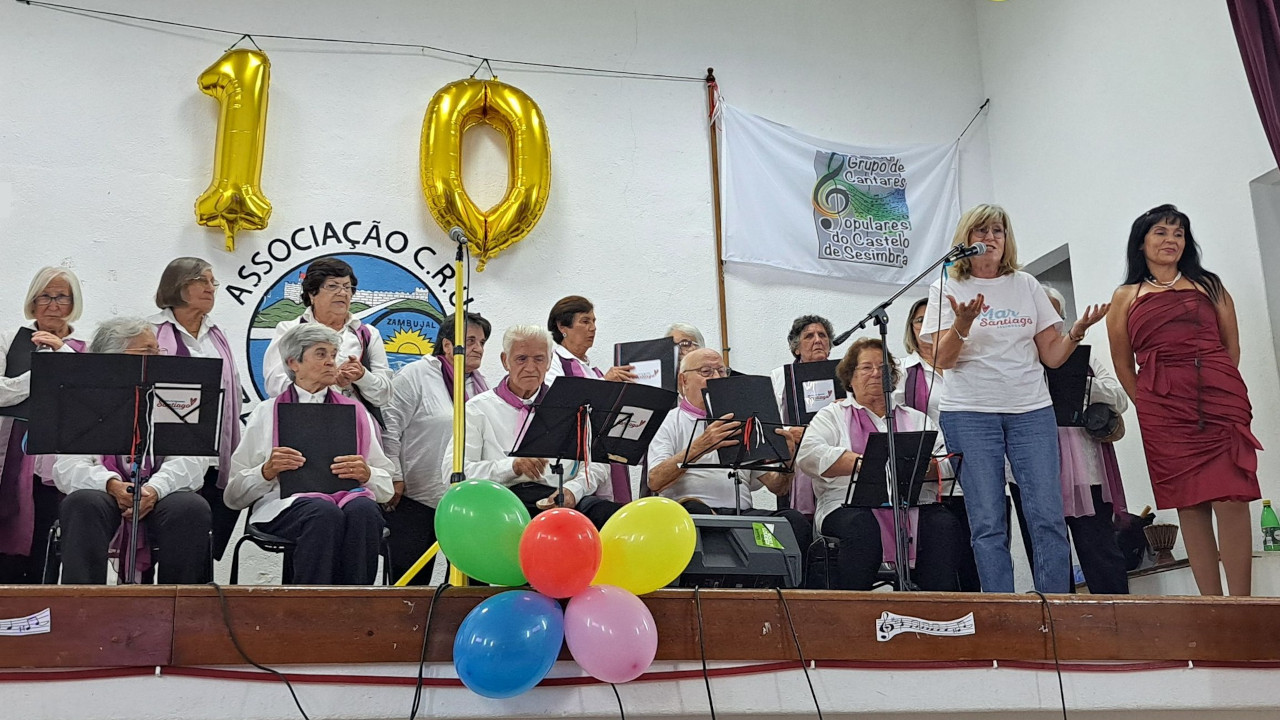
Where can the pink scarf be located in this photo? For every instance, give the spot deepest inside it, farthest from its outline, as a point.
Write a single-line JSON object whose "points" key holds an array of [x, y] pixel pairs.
{"points": [[860, 427], [342, 497], [122, 466], [477, 380], [168, 337], [503, 391]]}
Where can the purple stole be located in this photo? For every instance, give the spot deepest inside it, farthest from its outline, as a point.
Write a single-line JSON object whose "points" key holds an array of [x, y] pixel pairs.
{"points": [[363, 441], [121, 466], [860, 427], [170, 339], [619, 474], [1077, 498], [17, 507], [446, 371], [916, 390], [515, 401]]}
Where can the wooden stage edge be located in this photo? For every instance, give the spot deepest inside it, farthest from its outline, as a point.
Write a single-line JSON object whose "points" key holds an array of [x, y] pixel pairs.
{"points": [[184, 625]]}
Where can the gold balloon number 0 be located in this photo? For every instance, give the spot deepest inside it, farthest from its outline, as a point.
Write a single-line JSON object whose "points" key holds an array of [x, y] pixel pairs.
{"points": [[234, 201], [457, 107]]}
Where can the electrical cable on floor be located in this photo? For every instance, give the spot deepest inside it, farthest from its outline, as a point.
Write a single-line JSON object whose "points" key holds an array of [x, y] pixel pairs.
{"points": [[226, 620]]}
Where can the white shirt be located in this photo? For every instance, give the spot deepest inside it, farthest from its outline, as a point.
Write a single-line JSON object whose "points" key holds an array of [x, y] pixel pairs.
{"points": [[248, 487], [492, 426], [998, 369], [935, 380], [419, 425], [201, 345], [557, 365], [375, 385], [86, 472], [711, 486], [827, 439]]}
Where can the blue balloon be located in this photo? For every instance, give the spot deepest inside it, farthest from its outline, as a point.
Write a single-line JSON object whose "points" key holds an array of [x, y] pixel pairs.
{"points": [[508, 643]]}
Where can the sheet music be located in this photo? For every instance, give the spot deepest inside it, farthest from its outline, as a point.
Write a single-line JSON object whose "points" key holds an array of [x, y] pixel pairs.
{"points": [[890, 624], [176, 403], [648, 372], [36, 624]]}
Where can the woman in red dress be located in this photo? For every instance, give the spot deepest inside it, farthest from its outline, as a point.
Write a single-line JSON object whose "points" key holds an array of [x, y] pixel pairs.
{"points": [[1193, 407]]}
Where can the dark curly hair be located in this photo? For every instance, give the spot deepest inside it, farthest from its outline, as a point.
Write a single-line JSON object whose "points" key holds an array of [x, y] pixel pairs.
{"points": [[1188, 264]]}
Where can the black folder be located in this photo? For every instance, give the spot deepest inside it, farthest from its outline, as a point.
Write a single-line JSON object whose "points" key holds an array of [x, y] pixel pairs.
{"points": [[809, 387], [644, 354], [17, 362], [321, 432], [1069, 388], [748, 397]]}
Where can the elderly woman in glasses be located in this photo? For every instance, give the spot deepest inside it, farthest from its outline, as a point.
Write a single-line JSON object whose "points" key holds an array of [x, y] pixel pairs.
{"points": [[337, 534], [100, 494], [688, 337], [28, 500], [364, 374], [837, 437], [186, 296]]}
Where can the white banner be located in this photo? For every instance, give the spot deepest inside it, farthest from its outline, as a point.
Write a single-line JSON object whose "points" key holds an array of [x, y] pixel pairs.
{"points": [[868, 214]]}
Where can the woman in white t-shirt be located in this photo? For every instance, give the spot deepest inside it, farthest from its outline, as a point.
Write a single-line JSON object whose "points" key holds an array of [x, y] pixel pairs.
{"points": [[998, 328]]}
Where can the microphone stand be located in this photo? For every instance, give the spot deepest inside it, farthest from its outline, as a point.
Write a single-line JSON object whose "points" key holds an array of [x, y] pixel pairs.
{"points": [[880, 316]]}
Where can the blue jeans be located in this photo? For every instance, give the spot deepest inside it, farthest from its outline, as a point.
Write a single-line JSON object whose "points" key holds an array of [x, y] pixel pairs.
{"points": [[1030, 440]]}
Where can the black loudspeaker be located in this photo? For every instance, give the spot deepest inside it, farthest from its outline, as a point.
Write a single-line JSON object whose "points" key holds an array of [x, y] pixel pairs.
{"points": [[742, 551]]}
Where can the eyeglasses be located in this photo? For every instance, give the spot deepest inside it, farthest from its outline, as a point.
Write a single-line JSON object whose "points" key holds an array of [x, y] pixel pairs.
{"points": [[711, 372], [687, 345], [867, 369], [207, 281], [338, 287], [45, 300], [993, 232]]}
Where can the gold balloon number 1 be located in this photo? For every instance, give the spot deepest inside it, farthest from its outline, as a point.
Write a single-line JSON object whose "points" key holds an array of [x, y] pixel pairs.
{"points": [[233, 201], [457, 107]]}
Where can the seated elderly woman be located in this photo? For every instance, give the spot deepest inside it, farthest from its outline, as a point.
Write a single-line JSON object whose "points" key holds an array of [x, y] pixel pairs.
{"points": [[688, 337], [28, 500], [836, 438], [100, 497], [495, 419], [337, 534]]}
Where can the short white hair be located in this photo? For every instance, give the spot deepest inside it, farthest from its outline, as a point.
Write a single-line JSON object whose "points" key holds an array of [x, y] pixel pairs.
{"points": [[298, 339], [517, 333], [113, 336], [687, 329], [46, 275], [1053, 294]]}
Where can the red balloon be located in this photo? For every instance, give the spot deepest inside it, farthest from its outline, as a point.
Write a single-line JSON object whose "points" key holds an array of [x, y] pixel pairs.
{"points": [[560, 552]]}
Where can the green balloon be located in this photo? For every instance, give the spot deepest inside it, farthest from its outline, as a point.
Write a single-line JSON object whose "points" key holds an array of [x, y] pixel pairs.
{"points": [[478, 525]]}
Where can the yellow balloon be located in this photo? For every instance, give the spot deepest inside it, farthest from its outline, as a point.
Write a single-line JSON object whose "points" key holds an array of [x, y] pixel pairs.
{"points": [[457, 107], [646, 545], [233, 201]]}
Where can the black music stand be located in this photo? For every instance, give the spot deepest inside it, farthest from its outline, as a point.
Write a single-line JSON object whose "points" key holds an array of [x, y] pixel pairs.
{"points": [[750, 399], [869, 483], [582, 418], [116, 404], [1069, 386]]}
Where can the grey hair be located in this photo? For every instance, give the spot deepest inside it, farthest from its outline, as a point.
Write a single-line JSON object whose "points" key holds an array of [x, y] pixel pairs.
{"points": [[687, 329], [798, 326], [44, 276], [1053, 294], [179, 273], [516, 333], [114, 335], [299, 338]]}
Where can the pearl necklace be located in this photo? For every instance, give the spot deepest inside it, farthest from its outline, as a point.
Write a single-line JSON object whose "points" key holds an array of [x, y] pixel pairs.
{"points": [[1156, 283]]}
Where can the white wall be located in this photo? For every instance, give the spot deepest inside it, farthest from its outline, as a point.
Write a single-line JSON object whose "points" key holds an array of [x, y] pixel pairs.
{"points": [[1101, 110]]}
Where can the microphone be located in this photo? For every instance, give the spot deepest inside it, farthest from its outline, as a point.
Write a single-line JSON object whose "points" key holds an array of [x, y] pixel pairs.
{"points": [[964, 251], [842, 337], [456, 235]]}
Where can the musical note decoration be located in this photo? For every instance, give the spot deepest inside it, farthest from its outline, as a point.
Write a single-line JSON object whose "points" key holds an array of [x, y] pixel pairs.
{"points": [[890, 624]]}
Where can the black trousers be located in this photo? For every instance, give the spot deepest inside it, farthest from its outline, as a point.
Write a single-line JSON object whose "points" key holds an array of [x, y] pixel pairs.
{"points": [[937, 548], [413, 530], [225, 519], [335, 545], [800, 525], [1094, 538], [597, 510], [178, 528], [31, 569]]}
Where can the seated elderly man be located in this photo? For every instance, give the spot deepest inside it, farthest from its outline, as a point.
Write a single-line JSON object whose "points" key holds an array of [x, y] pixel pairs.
{"points": [[337, 534], [707, 490], [495, 419], [836, 438], [100, 497], [419, 425]]}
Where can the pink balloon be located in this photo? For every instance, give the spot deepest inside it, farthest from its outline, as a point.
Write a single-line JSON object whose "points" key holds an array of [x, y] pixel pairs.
{"points": [[610, 633]]}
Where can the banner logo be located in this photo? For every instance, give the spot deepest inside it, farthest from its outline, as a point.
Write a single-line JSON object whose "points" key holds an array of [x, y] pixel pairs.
{"points": [[860, 209]]}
